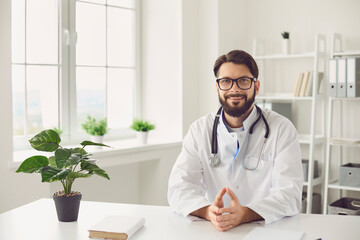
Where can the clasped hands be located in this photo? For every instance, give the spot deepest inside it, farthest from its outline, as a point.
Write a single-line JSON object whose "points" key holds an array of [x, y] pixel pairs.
{"points": [[236, 213]]}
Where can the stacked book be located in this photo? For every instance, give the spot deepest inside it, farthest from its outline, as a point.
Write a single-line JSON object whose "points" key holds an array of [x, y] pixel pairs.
{"points": [[304, 84]]}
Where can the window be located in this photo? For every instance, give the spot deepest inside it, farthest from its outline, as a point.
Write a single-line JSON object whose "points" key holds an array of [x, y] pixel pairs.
{"points": [[70, 59]]}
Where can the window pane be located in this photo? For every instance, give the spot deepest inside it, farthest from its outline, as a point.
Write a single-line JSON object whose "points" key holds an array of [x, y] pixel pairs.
{"points": [[122, 3], [91, 29], [18, 31], [90, 92], [42, 31], [121, 37], [120, 97], [42, 98], [18, 99]]}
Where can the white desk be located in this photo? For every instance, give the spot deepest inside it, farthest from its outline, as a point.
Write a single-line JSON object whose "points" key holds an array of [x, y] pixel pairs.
{"points": [[38, 220]]}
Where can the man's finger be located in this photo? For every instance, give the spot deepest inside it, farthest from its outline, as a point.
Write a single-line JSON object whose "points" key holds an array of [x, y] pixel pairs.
{"points": [[226, 217], [220, 194], [226, 210], [214, 209], [223, 229], [232, 194]]}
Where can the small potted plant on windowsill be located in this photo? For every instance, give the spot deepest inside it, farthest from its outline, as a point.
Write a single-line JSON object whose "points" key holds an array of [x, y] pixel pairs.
{"points": [[95, 128], [65, 166], [142, 129]]}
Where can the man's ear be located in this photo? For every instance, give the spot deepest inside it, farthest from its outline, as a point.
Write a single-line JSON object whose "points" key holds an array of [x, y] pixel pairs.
{"points": [[257, 87]]}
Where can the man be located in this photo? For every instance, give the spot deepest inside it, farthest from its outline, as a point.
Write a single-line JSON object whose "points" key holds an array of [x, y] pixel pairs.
{"points": [[259, 176]]}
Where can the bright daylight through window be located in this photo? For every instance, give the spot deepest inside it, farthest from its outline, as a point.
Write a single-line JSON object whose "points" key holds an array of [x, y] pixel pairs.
{"points": [[71, 59]]}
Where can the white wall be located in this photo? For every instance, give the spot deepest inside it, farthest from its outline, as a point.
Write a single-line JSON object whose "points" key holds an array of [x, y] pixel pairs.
{"points": [[161, 66], [16, 189]]}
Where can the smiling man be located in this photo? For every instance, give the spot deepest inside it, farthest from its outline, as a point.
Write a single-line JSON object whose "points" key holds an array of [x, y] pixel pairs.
{"points": [[242, 164]]}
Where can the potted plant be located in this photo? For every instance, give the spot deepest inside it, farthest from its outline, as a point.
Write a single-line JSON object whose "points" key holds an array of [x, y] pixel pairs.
{"points": [[65, 166], [142, 129], [95, 128], [285, 42]]}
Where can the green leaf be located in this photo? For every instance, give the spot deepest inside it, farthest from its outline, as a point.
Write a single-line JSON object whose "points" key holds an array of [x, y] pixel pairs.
{"points": [[51, 174], [79, 175], [47, 141], [74, 159], [52, 161], [87, 143], [79, 150], [94, 168], [33, 164], [61, 157]]}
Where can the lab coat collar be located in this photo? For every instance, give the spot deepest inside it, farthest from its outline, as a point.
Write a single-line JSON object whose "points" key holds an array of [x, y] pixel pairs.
{"points": [[246, 124]]}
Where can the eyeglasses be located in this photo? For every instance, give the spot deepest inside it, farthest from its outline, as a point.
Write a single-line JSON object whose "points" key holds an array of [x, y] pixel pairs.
{"points": [[243, 83]]}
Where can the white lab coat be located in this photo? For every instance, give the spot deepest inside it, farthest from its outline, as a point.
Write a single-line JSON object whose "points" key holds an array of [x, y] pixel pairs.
{"points": [[273, 190]]}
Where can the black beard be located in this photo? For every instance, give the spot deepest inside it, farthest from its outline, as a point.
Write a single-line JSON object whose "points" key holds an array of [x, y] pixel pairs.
{"points": [[237, 111]]}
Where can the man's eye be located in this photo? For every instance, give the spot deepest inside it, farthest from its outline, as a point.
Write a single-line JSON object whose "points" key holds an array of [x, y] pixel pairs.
{"points": [[225, 80], [244, 80]]}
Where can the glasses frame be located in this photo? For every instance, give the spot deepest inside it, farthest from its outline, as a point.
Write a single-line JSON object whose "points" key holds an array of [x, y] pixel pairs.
{"points": [[237, 84]]}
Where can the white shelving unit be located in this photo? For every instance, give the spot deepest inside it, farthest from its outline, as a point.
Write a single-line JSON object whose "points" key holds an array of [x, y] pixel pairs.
{"points": [[318, 56], [336, 51]]}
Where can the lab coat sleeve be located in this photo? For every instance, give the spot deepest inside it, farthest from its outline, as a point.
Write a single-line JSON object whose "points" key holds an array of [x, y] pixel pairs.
{"points": [[186, 193], [287, 178]]}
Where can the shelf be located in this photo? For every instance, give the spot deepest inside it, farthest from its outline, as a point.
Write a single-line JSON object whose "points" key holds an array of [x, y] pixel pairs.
{"points": [[281, 97], [335, 185], [306, 139], [282, 56], [316, 181], [345, 142], [272, 97], [347, 53], [345, 98], [318, 57]]}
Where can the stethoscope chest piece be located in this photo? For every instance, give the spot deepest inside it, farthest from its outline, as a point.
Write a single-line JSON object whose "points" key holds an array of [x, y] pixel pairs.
{"points": [[214, 161]]}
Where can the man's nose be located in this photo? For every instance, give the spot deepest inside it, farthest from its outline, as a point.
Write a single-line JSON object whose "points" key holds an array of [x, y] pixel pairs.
{"points": [[235, 87]]}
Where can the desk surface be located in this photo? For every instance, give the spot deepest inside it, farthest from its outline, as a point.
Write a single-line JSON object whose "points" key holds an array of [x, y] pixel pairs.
{"points": [[38, 220]]}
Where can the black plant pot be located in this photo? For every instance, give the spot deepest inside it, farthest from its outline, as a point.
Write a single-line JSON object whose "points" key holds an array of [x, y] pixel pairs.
{"points": [[67, 208]]}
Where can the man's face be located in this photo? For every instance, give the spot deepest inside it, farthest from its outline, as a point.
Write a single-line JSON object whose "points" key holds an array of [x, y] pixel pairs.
{"points": [[236, 101]]}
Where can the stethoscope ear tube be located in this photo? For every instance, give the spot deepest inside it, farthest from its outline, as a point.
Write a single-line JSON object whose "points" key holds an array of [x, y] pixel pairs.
{"points": [[214, 143], [214, 161]]}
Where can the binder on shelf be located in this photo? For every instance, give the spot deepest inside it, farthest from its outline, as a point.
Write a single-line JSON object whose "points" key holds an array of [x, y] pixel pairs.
{"points": [[341, 80], [353, 77], [332, 77]]}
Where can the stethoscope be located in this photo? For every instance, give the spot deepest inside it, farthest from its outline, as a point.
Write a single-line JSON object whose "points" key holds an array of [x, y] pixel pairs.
{"points": [[214, 160]]}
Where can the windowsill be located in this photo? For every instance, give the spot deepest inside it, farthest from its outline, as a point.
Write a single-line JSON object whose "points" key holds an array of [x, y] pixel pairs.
{"points": [[118, 147]]}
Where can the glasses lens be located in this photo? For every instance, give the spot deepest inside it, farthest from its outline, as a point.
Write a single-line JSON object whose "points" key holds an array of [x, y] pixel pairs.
{"points": [[244, 83], [225, 83]]}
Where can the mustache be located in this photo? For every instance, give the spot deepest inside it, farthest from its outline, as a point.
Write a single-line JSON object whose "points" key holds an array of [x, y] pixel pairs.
{"points": [[235, 95]]}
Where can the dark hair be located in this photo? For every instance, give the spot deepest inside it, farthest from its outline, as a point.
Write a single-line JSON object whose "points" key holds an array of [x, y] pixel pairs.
{"points": [[237, 57]]}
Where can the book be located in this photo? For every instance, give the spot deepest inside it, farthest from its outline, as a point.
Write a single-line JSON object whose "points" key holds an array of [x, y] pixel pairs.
{"points": [[116, 227], [298, 84], [261, 233], [304, 84], [308, 91]]}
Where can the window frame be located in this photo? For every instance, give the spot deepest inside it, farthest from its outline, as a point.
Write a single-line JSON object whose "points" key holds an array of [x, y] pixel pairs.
{"points": [[67, 38]]}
